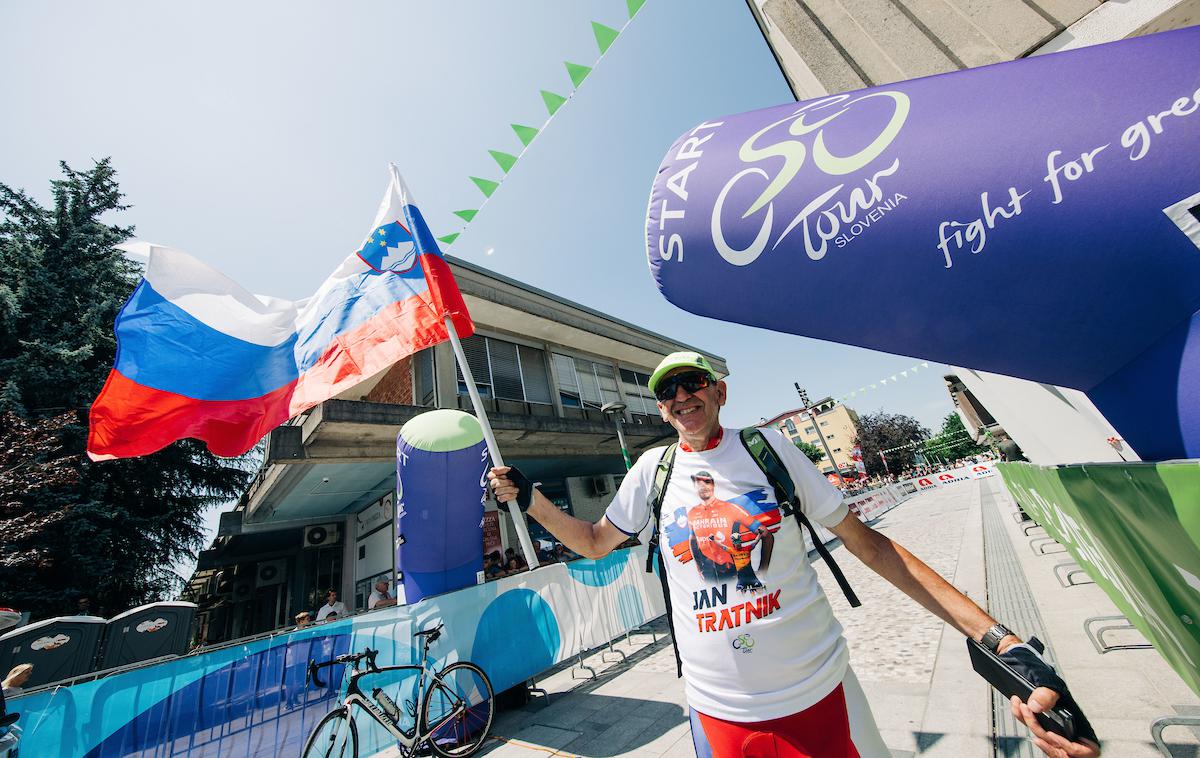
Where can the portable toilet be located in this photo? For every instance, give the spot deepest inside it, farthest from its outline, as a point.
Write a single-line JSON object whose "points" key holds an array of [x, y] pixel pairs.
{"points": [[148, 631], [58, 648]]}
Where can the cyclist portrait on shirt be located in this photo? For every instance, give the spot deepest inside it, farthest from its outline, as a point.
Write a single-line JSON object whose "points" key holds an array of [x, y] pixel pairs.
{"points": [[724, 536]]}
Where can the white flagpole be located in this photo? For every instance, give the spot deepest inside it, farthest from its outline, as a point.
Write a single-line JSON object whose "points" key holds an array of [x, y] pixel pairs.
{"points": [[517, 517]]}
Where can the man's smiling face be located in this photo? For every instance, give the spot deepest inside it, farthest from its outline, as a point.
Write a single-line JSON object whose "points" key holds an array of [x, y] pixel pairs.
{"points": [[694, 415]]}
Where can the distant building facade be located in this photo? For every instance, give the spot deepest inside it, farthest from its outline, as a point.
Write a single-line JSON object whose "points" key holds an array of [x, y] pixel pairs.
{"points": [[320, 513], [838, 424]]}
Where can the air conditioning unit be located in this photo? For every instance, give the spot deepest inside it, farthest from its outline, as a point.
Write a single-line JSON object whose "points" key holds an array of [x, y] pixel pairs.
{"points": [[322, 535], [598, 486], [271, 572]]}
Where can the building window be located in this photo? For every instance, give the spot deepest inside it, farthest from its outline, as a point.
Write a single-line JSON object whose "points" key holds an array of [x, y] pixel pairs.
{"points": [[830, 436], [583, 383], [426, 385], [791, 427], [810, 430], [824, 423], [505, 370], [637, 395], [837, 450]]}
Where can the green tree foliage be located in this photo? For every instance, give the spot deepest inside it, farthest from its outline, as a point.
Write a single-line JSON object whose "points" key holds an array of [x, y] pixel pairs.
{"points": [[814, 453], [68, 526], [952, 442], [883, 431]]}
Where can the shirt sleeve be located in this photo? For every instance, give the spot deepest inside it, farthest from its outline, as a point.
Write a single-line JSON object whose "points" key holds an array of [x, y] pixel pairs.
{"points": [[820, 500], [629, 511]]}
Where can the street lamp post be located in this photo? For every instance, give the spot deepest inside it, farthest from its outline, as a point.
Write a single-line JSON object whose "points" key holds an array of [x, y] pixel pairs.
{"points": [[821, 437], [616, 410]]}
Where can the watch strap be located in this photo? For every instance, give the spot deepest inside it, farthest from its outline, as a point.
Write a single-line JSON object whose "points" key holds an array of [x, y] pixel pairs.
{"points": [[991, 638]]}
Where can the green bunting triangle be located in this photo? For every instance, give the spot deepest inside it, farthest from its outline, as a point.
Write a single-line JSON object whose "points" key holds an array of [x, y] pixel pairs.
{"points": [[467, 216], [605, 36], [486, 186], [553, 102], [524, 133], [634, 6], [449, 238], [578, 73], [505, 160]]}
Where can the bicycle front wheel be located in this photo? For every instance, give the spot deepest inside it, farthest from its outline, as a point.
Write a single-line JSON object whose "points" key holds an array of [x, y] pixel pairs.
{"points": [[334, 736], [457, 710]]}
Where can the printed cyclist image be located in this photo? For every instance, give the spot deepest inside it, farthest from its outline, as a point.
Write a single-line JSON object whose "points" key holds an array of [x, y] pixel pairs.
{"points": [[721, 535]]}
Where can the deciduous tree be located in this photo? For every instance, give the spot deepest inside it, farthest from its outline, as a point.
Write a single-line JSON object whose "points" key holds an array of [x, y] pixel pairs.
{"points": [[890, 432]]}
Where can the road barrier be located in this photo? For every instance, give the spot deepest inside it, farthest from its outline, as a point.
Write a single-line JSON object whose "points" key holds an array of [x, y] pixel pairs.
{"points": [[1135, 529], [250, 699]]}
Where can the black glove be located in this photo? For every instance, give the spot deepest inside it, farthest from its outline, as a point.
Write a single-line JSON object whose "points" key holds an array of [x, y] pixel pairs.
{"points": [[524, 488], [1027, 661]]}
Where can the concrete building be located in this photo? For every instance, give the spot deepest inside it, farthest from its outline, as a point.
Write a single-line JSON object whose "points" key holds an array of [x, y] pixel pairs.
{"points": [[1051, 424], [319, 512], [831, 46], [838, 424]]}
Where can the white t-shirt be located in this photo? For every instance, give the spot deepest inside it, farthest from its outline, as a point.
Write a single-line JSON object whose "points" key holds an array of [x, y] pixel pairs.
{"points": [[753, 653], [339, 608], [377, 597]]}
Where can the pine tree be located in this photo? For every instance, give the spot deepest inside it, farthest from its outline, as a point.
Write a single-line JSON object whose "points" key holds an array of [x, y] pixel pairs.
{"points": [[109, 530]]}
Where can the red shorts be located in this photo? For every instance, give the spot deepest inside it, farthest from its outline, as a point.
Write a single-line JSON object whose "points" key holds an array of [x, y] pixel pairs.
{"points": [[821, 731]]}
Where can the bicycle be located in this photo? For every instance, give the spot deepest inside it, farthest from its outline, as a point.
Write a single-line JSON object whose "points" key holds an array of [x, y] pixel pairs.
{"points": [[456, 707]]}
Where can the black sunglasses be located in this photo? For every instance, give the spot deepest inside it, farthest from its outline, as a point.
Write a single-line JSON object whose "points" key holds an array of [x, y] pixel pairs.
{"points": [[691, 381]]}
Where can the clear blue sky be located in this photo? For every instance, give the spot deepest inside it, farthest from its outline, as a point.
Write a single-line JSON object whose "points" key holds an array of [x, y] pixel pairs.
{"points": [[255, 136]]}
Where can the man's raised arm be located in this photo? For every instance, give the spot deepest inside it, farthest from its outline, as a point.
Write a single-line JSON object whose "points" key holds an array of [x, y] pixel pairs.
{"points": [[589, 540]]}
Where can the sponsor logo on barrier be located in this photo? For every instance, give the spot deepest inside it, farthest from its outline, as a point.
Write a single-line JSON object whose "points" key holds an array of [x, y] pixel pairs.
{"points": [[49, 643], [152, 626], [833, 215]]}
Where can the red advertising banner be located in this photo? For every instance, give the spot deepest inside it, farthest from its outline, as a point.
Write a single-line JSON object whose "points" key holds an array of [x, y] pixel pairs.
{"points": [[491, 533]]}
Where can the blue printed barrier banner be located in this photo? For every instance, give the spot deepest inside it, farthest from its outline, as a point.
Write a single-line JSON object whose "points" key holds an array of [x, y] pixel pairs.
{"points": [[250, 699], [1038, 218]]}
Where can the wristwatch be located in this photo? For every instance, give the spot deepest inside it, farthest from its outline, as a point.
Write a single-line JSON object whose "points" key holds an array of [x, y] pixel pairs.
{"points": [[991, 638]]}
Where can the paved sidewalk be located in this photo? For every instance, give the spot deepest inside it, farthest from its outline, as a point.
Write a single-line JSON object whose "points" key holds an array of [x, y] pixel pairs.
{"points": [[914, 669]]}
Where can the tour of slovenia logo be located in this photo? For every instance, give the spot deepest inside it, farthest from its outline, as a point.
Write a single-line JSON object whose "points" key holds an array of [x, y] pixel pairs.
{"points": [[804, 140], [390, 248], [744, 643]]}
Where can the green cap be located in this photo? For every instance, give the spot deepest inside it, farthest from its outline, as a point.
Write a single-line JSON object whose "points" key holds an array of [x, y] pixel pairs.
{"points": [[683, 359]]}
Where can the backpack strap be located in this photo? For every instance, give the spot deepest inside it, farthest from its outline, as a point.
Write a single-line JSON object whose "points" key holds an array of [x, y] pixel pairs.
{"points": [[658, 493], [785, 494]]}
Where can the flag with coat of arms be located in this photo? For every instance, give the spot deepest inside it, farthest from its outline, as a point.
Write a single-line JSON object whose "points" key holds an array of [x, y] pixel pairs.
{"points": [[200, 356]]}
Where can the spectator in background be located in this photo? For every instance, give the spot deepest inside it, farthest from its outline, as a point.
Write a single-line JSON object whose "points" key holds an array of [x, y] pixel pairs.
{"points": [[510, 555], [380, 596], [303, 619], [492, 567], [332, 605], [513, 567], [330, 618], [14, 683]]}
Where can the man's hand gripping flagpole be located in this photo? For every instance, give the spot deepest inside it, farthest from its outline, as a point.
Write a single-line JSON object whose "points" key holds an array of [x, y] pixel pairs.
{"points": [[494, 449]]}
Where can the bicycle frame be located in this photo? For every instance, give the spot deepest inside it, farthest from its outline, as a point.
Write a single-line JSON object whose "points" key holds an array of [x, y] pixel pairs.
{"points": [[408, 739]]}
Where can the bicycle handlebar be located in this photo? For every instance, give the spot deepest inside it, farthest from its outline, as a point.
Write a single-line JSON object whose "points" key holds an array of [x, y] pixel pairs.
{"points": [[367, 654]]}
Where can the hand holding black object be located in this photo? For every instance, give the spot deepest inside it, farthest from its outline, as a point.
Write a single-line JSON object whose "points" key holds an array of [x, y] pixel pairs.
{"points": [[509, 484], [1051, 692]]}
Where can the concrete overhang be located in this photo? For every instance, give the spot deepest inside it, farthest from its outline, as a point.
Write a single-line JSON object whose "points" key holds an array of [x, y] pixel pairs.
{"points": [[342, 456]]}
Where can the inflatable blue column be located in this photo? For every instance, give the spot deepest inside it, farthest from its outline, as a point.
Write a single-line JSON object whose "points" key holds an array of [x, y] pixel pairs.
{"points": [[441, 465]]}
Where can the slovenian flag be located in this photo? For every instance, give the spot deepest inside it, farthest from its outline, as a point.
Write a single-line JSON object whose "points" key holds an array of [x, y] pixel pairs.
{"points": [[199, 356]]}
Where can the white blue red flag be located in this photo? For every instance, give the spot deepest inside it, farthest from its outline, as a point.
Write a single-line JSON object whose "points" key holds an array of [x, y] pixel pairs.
{"points": [[199, 356]]}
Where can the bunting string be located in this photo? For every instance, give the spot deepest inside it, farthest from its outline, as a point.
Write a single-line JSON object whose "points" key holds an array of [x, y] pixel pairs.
{"points": [[878, 383], [554, 102]]}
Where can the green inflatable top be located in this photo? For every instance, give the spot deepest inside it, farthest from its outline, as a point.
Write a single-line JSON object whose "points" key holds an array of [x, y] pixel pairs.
{"points": [[442, 431]]}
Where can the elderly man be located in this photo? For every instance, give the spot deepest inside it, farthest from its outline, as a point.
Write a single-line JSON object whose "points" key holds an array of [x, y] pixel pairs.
{"points": [[381, 596], [775, 678]]}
